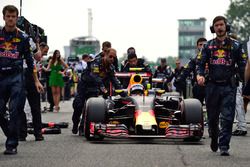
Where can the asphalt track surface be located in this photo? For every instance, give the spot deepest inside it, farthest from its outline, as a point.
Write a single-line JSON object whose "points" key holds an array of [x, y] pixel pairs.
{"points": [[66, 149]]}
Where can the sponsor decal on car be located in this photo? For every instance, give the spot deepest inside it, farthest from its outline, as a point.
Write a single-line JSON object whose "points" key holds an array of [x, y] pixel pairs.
{"points": [[163, 125]]}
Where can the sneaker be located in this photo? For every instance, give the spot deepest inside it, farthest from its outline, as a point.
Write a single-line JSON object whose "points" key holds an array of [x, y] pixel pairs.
{"points": [[224, 153], [10, 151], [214, 144], [75, 129], [39, 138], [239, 133]]}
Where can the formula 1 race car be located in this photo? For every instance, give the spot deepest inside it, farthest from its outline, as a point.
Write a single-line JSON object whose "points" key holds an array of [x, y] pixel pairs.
{"points": [[144, 113]]}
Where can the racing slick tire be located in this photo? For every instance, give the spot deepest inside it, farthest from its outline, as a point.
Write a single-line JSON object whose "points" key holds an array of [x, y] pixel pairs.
{"points": [[96, 110], [192, 114], [192, 111]]}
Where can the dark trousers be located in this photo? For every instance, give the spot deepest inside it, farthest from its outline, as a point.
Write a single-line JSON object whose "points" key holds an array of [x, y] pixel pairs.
{"points": [[49, 95], [199, 92], [12, 91], [220, 103], [33, 98], [79, 101], [84, 91], [78, 106], [4, 122]]}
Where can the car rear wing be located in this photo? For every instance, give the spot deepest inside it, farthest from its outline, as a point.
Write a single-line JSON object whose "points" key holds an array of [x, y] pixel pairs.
{"points": [[158, 80], [144, 75]]}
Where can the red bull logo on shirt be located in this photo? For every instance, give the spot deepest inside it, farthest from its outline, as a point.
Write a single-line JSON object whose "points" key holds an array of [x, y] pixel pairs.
{"points": [[9, 50], [220, 53], [219, 58]]}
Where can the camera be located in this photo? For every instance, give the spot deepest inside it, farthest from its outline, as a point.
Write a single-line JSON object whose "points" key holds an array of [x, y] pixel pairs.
{"points": [[33, 30]]}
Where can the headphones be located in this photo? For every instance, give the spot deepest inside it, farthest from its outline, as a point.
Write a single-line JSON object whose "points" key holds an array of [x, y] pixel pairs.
{"points": [[228, 27]]}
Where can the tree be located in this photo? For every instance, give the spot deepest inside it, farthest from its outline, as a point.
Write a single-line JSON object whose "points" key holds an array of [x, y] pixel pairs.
{"points": [[238, 16]]}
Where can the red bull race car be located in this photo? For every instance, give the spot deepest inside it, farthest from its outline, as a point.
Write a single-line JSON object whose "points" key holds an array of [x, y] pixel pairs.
{"points": [[145, 113]]}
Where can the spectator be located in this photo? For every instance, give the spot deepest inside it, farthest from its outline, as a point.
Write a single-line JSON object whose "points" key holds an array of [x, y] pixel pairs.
{"points": [[56, 82]]}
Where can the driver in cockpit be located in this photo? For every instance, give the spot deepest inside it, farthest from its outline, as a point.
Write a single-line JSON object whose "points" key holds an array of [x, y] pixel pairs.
{"points": [[134, 62]]}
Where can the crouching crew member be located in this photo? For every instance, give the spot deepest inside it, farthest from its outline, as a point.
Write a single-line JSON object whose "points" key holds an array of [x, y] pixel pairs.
{"points": [[95, 80]]}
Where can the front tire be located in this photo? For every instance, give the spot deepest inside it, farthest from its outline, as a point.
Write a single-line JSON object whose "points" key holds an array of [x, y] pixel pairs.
{"points": [[192, 114], [95, 112]]}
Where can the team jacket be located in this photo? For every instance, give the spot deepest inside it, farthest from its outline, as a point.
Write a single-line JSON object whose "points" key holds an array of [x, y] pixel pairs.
{"points": [[101, 75], [116, 67], [190, 69], [165, 72], [14, 47], [140, 64], [222, 58]]}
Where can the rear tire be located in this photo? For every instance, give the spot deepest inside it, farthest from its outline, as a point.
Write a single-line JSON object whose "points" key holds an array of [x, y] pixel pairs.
{"points": [[95, 111]]}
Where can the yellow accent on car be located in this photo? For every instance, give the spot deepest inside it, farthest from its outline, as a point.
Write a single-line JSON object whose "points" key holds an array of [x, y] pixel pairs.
{"points": [[135, 69], [114, 122], [145, 118], [160, 91], [118, 91], [148, 85], [163, 124]]}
